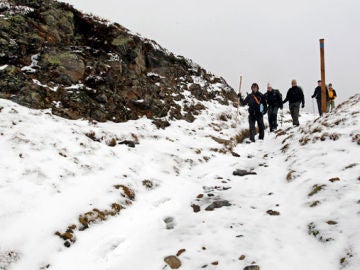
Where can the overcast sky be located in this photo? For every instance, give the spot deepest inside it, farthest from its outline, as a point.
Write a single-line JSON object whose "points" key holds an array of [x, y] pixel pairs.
{"points": [[263, 40]]}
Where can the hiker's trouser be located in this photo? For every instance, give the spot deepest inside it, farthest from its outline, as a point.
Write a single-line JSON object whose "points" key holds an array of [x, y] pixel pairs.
{"points": [[318, 101], [252, 131], [272, 117], [330, 105], [294, 111]]}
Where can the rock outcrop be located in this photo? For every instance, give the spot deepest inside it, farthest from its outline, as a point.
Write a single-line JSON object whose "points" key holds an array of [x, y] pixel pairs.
{"points": [[80, 66]]}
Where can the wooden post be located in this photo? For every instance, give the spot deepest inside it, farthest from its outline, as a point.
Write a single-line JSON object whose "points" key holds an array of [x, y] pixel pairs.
{"points": [[240, 85], [238, 102], [323, 85]]}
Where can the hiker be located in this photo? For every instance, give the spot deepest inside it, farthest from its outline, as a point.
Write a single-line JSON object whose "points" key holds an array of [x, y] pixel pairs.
{"points": [[317, 95], [274, 100], [332, 95], [295, 96], [257, 108]]}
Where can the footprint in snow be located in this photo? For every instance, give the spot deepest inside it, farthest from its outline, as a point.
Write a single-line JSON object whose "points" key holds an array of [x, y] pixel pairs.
{"points": [[108, 246]]}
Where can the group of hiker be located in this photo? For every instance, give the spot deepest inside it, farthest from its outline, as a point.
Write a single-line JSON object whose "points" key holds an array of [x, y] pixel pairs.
{"points": [[330, 97], [270, 102]]}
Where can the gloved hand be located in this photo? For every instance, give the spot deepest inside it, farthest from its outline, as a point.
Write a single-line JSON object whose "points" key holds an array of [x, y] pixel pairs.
{"points": [[303, 105], [241, 99]]}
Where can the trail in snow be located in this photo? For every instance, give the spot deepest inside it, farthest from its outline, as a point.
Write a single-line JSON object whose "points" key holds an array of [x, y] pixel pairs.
{"points": [[51, 173]]}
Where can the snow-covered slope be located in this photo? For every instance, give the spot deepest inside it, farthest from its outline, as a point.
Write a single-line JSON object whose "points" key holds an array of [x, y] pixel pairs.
{"points": [[72, 197]]}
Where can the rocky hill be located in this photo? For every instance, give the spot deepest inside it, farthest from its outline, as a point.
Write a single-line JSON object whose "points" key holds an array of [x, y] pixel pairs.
{"points": [[80, 66]]}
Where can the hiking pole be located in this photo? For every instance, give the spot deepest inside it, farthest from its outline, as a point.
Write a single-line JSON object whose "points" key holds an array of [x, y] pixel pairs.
{"points": [[313, 106], [281, 117], [238, 102]]}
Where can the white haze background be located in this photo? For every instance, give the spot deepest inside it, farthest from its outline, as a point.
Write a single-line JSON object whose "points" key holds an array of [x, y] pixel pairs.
{"points": [[265, 41]]}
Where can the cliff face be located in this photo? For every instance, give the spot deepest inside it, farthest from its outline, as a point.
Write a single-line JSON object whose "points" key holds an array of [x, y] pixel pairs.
{"points": [[80, 66]]}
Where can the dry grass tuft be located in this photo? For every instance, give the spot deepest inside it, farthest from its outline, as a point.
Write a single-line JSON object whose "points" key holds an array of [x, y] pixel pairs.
{"points": [[112, 142], [285, 148], [290, 176], [95, 216], [334, 179], [315, 189], [280, 132], [220, 140], [316, 130], [92, 136], [148, 184], [356, 138], [135, 138], [224, 117], [128, 192], [350, 166], [314, 204], [242, 135], [304, 140]]}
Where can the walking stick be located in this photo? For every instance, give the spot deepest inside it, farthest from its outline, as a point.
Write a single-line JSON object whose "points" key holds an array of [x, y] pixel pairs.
{"points": [[313, 107], [238, 102]]}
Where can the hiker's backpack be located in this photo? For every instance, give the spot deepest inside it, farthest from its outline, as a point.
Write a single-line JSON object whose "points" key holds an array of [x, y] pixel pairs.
{"points": [[279, 95]]}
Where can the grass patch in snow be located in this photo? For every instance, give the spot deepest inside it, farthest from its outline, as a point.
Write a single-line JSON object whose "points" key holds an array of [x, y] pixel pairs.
{"points": [[96, 215]]}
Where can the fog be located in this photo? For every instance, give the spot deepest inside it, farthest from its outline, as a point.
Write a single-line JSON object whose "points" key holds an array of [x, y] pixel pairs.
{"points": [[264, 41]]}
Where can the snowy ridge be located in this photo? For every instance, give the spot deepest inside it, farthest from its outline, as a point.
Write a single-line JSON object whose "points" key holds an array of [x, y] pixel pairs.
{"points": [[299, 211]]}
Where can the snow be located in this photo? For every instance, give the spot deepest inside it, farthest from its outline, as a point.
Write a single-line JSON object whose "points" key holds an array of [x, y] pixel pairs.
{"points": [[113, 57], [37, 82], [15, 9], [149, 74], [3, 67], [33, 66], [52, 172], [75, 86]]}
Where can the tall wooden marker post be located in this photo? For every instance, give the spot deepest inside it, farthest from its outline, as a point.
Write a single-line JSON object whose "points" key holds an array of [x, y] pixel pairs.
{"points": [[323, 87], [238, 103]]}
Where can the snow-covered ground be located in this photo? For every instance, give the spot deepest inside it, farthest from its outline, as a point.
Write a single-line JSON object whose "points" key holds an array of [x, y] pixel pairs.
{"points": [[54, 173]]}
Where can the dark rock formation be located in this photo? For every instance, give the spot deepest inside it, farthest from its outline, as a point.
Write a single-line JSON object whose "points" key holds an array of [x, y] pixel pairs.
{"points": [[173, 262], [80, 66], [240, 172], [217, 204]]}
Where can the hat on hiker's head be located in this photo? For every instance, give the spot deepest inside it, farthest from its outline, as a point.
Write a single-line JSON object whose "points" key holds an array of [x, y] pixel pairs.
{"points": [[330, 84], [268, 84], [293, 81], [255, 85]]}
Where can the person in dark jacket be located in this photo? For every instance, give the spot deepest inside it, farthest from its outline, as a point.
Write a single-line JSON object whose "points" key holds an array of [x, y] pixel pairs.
{"points": [[295, 96], [257, 108], [274, 101], [317, 95]]}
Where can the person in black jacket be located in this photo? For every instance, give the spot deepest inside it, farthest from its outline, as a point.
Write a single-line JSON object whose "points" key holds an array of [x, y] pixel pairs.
{"points": [[274, 101], [295, 96], [317, 95], [257, 108]]}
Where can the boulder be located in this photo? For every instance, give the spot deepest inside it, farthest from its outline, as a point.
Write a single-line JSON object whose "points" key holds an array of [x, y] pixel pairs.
{"points": [[65, 66], [173, 262], [252, 267], [217, 204], [240, 172]]}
